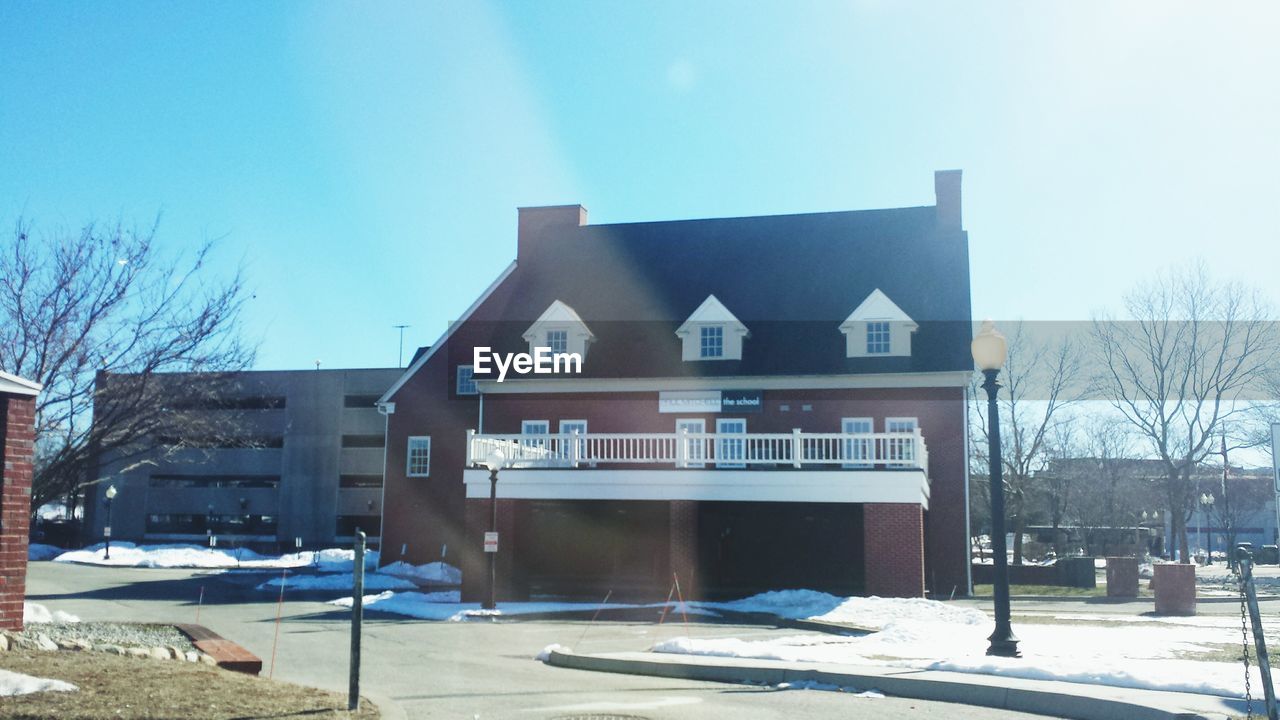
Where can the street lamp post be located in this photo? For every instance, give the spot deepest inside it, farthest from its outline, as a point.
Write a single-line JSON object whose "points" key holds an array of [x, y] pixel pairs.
{"points": [[493, 463], [990, 349], [106, 530], [1206, 504]]}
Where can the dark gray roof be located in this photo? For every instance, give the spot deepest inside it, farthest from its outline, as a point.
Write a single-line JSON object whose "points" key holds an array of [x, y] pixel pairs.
{"points": [[791, 279]]}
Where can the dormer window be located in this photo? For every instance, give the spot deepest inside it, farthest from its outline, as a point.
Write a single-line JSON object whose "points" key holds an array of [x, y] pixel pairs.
{"points": [[878, 337], [712, 345], [560, 329], [878, 328], [712, 333], [558, 340]]}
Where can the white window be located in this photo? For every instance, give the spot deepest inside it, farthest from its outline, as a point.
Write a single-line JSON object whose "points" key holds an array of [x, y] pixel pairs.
{"points": [[712, 345], [558, 340], [696, 447], [904, 449], [418, 462], [731, 452], [878, 337], [567, 429], [858, 452], [466, 380], [538, 428]]}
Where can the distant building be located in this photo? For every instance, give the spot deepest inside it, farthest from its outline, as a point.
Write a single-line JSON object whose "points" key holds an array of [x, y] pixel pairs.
{"points": [[299, 454]]}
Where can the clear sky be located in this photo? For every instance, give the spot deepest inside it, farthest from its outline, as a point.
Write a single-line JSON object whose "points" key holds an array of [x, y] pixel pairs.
{"points": [[365, 159]]}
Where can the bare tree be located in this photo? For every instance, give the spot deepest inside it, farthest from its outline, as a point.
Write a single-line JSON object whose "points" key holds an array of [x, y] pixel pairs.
{"points": [[1180, 367], [94, 316], [1041, 378]]}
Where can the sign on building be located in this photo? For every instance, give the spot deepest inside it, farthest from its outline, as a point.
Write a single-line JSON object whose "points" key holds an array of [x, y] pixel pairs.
{"points": [[711, 401]]}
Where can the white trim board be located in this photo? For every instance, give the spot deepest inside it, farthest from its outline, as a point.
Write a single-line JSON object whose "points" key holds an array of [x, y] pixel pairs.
{"points": [[14, 385], [444, 338], [841, 486], [957, 379]]}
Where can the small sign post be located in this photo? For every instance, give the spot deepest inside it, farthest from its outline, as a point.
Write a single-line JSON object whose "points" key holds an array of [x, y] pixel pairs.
{"points": [[106, 532], [491, 542], [357, 618]]}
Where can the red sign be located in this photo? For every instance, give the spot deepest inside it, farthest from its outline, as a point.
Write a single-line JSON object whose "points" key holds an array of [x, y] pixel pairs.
{"points": [[491, 542]]}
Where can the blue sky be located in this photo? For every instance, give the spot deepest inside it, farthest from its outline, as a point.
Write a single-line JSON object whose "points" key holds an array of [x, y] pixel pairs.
{"points": [[365, 160]]}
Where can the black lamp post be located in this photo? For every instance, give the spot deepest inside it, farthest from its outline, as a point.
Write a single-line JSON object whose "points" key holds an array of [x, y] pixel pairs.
{"points": [[1206, 504], [106, 531], [494, 463], [989, 353]]}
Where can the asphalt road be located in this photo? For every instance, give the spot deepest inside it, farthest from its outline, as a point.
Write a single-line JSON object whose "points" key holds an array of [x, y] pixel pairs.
{"points": [[418, 669]]}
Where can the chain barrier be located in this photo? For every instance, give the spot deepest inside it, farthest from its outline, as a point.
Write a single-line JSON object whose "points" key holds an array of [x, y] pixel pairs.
{"points": [[1244, 646]]}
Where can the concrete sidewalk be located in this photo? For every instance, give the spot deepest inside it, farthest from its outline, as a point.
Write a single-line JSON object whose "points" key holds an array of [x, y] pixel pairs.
{"points": [[1045, 697]]}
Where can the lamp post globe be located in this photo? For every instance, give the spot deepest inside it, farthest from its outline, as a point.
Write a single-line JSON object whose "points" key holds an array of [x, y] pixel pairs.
{"points": [[990, 351], [494, 462]]}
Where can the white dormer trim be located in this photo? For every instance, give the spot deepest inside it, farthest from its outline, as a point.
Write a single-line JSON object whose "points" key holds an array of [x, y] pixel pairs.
{"points": [[878, 308], [14, 385], [560, 317], [711, 314]]}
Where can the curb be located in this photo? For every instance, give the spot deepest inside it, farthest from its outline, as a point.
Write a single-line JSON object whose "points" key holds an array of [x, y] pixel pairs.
{"points": [[228, 655], [1077, 701]]}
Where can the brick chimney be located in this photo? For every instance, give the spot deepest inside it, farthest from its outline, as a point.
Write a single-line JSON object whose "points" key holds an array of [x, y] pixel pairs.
{"points": [[946, 187], [534, 221]]}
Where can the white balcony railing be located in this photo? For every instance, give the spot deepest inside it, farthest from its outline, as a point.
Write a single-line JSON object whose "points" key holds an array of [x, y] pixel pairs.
{"points": [[854, 451]]}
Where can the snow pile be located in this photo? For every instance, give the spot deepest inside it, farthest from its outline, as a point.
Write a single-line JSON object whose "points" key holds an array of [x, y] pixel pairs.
{"points": [[127, 554], [40, 551], [868, 612], [446, 605], [12, 683], [1142, 656], [435, 572], [815, 685], [793, 604], [336, 581], [36, 613], [545, 655]]}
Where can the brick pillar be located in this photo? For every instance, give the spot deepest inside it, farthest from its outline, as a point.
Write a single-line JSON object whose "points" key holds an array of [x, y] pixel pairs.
{"points": [[683, 548], [893, 543], [17, 441]]}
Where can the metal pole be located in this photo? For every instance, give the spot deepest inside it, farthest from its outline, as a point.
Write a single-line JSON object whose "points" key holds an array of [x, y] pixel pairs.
{"points": [[357, 617], [1245, 558], [492, 601], [1003, 642], [107, 554]]}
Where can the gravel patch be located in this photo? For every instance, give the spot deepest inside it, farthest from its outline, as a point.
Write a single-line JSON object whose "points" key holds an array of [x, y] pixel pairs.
{"points": [[109, 633]]}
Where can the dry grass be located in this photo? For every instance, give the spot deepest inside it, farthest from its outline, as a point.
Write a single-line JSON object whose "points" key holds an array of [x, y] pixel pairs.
{"points": [[112, 686]]}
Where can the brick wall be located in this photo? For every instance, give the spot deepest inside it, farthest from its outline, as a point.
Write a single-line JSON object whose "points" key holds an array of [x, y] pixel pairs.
{"points": [[684, 547], [894, 539], [17, 443]]}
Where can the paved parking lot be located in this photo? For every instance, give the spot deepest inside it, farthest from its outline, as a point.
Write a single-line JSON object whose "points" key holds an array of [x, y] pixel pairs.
{"points": [[418, 669]]}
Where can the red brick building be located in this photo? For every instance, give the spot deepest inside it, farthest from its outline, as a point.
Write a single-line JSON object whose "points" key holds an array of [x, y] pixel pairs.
{"points": [[762, 403], [17, 449]]}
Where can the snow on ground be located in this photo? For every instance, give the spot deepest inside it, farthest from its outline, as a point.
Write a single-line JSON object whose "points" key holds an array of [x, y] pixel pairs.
{"points": [[337, 581], [447, 606], [12, 683], [127, 554], [1138, 656], [435, 572], [868, 612], [40, 551], [37, 613]]}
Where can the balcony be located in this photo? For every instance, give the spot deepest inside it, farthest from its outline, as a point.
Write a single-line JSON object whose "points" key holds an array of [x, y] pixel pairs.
{"points": [[773, 467]]}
